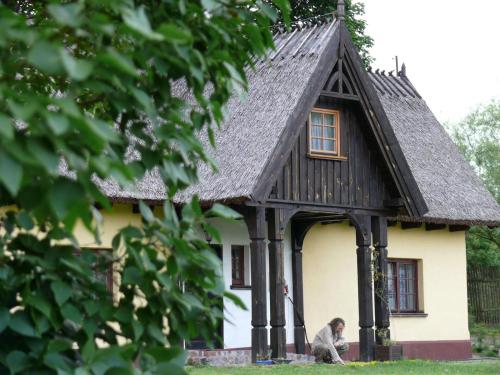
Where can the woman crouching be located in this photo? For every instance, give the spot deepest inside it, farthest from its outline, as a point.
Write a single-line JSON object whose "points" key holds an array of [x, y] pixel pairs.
{"points": [[329, 344]]}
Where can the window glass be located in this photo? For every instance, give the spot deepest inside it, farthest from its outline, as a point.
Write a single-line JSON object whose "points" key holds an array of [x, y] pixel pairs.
{"points": [[328, 119], [316, 118], [324, 132], [316, 131], [329, 145], [402, 285]]}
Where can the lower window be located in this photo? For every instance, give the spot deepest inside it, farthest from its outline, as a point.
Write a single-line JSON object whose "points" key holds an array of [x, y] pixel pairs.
{"points": [[402, 277]]}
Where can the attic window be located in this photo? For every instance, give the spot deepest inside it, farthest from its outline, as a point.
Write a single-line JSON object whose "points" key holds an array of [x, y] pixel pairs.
{"points": [[324, 134]]}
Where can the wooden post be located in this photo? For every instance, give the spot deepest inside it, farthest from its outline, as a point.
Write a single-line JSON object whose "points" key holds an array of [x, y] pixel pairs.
{"points": [[379, 231], [256, 222], [277, 282], [365, 288], [299, 231]]}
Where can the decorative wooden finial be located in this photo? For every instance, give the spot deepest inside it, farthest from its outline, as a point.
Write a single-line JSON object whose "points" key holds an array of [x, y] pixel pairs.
{"points": [[402, 73], [340, 10]]}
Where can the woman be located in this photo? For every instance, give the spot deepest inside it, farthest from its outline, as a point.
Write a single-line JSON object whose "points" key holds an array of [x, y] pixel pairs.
{"points": [[329, 344]]}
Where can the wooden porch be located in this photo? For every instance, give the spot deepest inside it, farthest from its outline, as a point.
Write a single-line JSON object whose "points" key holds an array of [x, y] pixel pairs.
{"points": [[371, 230]]}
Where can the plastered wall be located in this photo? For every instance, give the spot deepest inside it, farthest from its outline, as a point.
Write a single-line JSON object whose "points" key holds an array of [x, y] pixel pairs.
{"points": [[330, 281]]}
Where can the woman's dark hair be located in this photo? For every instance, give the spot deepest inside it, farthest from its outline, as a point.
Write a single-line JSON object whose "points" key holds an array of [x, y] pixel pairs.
{"points": [[335, 322]]}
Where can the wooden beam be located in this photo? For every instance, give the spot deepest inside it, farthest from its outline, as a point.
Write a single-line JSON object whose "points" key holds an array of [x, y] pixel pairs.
{"points": [[299, 231], [379, 233], [276, 282], [394, 203], [255, 220], [458, 228], [410, 225], [365, 287], [392, 223], [434, 226], [336, 95]]}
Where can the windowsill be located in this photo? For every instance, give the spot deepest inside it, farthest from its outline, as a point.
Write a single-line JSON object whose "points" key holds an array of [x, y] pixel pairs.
{"points": [[326, 156], [410, 315], [241, 287]]}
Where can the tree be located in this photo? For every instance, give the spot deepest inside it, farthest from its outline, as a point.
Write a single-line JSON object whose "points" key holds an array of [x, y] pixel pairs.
{"points": [[478, 138], [85, 96], [305, 9]]}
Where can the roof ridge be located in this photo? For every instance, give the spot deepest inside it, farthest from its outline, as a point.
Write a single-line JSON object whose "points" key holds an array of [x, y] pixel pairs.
{"points": [[303, 23]]}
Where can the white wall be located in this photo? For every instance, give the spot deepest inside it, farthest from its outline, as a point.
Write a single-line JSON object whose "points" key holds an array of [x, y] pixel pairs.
{"points": [[237, 327]]}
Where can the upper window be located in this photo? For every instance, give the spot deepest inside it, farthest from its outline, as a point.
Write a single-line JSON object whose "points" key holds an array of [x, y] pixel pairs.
{"points": [[402, 277], [324, 135]]}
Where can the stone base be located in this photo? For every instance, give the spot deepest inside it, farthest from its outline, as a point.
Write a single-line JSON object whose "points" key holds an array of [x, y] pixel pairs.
{"points": [[235, 357]]}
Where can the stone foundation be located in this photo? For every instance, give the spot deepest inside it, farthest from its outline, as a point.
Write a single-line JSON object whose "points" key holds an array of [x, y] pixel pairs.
{"points": [[235, 357]]}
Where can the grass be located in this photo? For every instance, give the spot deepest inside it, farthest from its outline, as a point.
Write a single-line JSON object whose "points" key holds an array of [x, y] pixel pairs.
{"points": [[407, 367]]}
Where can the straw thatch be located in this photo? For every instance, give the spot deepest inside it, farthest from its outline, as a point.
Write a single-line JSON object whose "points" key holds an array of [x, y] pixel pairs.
{"points": [[255, 122]]}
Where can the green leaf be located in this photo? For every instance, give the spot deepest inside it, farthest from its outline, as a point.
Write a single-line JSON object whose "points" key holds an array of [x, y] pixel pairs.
{"points": [[20, 323], [146, 212], [138, 21], [25, 220], [45, 56], [58, 123], [175, 34], [11, 173], [6, 128], [4, 318], [119, 62], [225, 212], [59, 345], [63, 196], [57, 362], [62, 291], [284, 6], [45, 156], [77, 69], [67, 14], [17, 361], [70, 312], [40, 303]]}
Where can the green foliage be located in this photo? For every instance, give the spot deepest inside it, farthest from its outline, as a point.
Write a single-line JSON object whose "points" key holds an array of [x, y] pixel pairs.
{"points": [[86, 82], [354, 11], [478, 138]]}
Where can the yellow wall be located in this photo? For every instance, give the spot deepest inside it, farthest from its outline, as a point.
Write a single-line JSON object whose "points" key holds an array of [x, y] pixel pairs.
{"points": [[120, 217], [330, 281]]}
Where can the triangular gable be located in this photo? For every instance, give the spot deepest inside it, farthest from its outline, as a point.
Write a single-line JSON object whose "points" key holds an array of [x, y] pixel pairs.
{"points": [[345, 78]]}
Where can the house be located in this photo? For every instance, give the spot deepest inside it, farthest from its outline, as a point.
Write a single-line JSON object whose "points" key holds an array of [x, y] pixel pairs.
{"points": [[336, 171]]}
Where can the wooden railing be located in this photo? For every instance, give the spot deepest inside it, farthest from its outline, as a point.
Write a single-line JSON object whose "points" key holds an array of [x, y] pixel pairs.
{"points": [[483, 287]]}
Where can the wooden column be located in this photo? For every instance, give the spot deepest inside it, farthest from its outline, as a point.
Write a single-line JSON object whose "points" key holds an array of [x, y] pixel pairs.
{"points": [[379, 231], [365, 288], [256, 222], [299, 231], [276, 282]]}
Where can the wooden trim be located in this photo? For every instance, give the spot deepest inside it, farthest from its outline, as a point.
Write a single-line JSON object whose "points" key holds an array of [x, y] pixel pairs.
{"points": [[336, 95], [458, 228], [417, 314], [325, 156], [240, 287], [336, 126], [241, 264], [410, 225], [433, 226], [395, 278]]}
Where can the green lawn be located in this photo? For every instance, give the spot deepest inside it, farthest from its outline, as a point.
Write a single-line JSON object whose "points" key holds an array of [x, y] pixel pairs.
{"points": [[402, 367]]}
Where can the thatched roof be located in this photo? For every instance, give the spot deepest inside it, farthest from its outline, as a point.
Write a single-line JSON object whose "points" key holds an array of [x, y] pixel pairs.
{"points": [[277, 85], [451, 189]]}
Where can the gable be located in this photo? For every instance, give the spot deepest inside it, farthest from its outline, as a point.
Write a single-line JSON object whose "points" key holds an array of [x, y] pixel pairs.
{"points": [[345, 79], [357, 179]]}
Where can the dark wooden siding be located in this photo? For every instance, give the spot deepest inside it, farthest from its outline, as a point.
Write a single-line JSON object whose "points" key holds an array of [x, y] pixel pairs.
{"points": [[360, 181]]}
